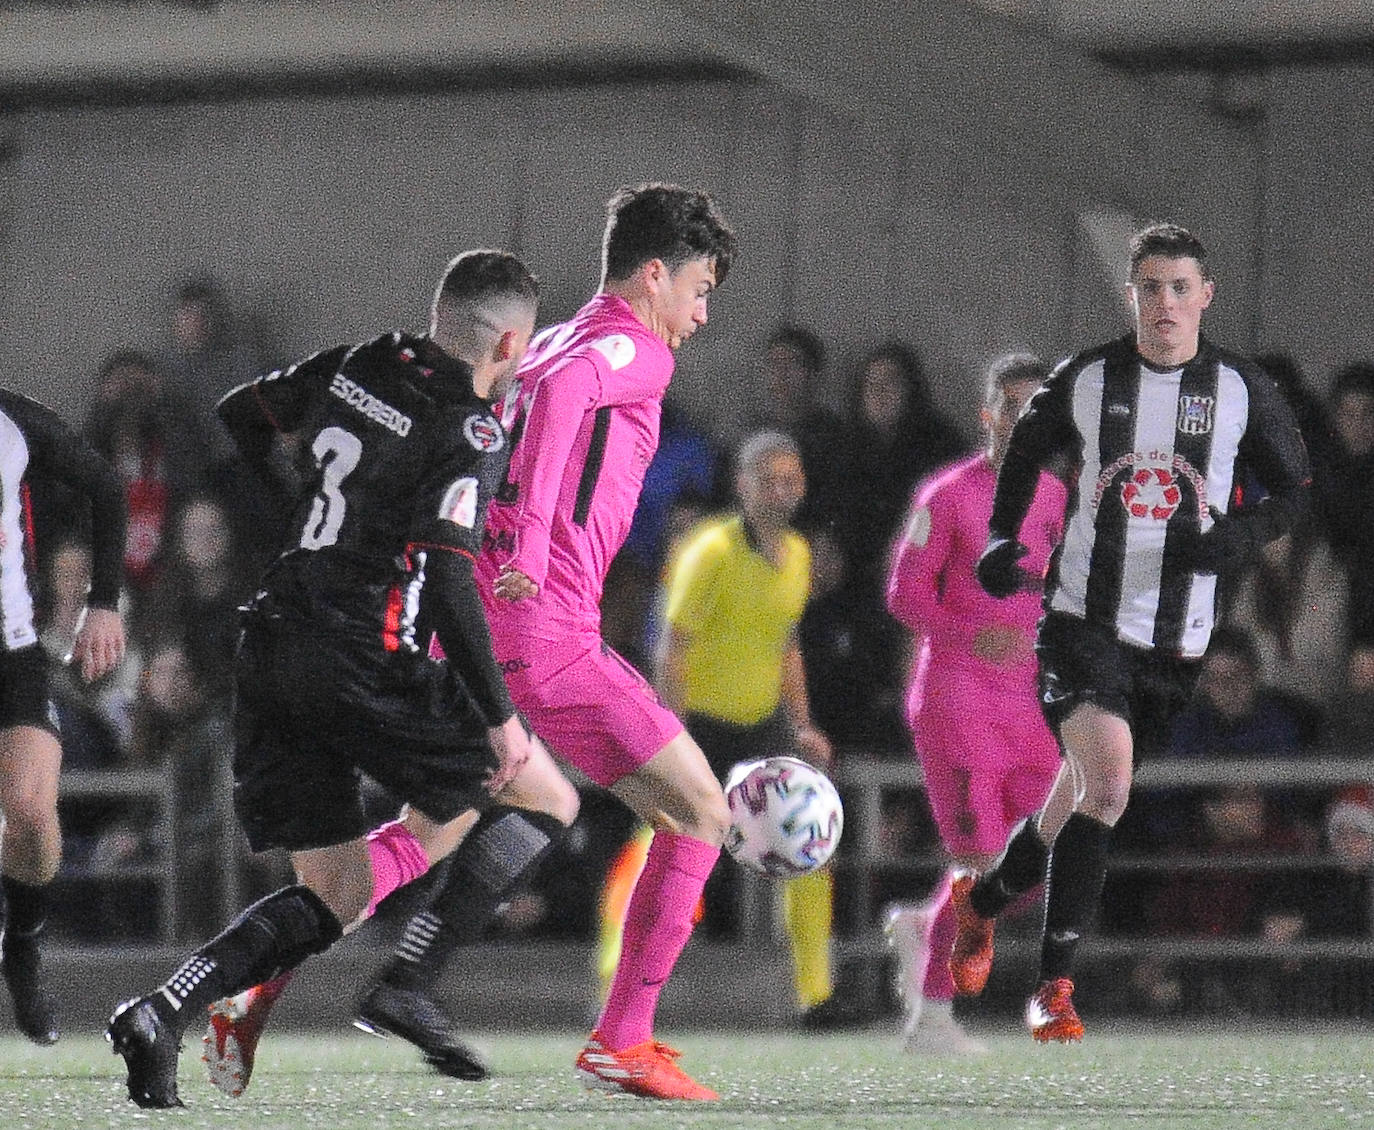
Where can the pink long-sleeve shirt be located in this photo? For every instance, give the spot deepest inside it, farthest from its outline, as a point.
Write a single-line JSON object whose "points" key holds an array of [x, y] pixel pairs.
{"points": [[932, 587], [584, 417]]}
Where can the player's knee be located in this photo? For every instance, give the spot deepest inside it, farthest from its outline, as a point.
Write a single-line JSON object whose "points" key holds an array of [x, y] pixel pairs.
{"points": [[30, 814], [1105, 797], [566, 803]]}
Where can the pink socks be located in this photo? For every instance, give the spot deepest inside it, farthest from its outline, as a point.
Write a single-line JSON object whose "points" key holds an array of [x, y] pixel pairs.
{"points": [[657, 926], [939, 985], [397, 858]]}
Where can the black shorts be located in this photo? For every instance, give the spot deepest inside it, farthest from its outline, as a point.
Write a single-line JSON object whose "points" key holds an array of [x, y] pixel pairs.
{"points": [[314, 711], [25, 699], [725, 743], [1081, 662]]}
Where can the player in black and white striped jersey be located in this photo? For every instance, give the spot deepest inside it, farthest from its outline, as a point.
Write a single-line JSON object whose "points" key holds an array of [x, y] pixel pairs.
{"points": [[1163, 431], [35, 443]]}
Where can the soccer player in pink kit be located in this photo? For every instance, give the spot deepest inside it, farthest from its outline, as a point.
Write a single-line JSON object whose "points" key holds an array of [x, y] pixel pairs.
{"points": [[986, 754], [584, 414]]}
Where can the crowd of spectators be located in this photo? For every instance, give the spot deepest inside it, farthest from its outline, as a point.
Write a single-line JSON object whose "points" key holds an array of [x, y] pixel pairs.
{"points": [[1290, 676]]}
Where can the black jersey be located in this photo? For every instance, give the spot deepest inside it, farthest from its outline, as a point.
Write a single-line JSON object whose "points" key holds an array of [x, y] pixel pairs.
{"points": [[1156, 455], [398, 459], [34, 442]]}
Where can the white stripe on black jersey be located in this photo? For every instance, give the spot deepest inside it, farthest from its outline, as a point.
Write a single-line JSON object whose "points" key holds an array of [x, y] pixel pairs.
{"points": [[1154, 450], [16, 602]]}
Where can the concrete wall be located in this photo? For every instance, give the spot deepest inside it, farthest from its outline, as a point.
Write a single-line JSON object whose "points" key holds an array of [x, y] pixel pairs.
{"points": [[940, 200]]}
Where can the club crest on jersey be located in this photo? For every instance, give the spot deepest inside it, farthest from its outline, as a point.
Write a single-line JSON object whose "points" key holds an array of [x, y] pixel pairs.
{"points": [[618, 350], [484, 433], [1195, 414]]}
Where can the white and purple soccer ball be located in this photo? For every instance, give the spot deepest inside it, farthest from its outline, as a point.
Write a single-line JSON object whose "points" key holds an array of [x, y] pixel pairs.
{"points": [[785, 816]]}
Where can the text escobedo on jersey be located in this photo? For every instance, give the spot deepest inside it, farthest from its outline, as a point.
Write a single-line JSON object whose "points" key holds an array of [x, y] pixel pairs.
{"points": [[355, 396]]}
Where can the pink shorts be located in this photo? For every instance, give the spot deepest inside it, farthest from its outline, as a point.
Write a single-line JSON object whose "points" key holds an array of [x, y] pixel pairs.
{"points": [[588, 704], [988, 758]]}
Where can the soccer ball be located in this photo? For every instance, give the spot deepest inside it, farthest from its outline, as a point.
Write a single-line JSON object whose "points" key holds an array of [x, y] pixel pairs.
{"points": [[785, 816]]}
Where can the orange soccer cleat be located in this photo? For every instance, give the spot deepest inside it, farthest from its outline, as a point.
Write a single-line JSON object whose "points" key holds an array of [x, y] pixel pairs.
{"points": [[645, 1069], [970, 961], [1050, 1014]]}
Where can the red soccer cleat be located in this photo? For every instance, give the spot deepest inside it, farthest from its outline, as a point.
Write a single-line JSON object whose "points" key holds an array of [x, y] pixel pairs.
{"points": [[970, 961], [231, 1037], [645, 1069], [1050, 1014]]}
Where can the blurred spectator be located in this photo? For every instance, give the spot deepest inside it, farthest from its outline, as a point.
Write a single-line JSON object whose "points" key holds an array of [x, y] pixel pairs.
{"points": [[207, 355], [894, 436], [1338, 905], [202, 585], [1236, 821], [684, 464], [186, 730], [854, 654], [1233, 715], [793, 376], [1344, 490], [1293, 603], [153, 440], [683, 467], [1308, 409]]}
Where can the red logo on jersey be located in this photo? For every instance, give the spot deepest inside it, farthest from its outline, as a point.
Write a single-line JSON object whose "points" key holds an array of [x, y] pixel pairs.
{"points": [[484, 433], [1152, 492]]}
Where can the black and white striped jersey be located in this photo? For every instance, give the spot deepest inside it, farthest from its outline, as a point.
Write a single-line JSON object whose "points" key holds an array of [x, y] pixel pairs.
{"points": [[35, 443], [1155, 454]]}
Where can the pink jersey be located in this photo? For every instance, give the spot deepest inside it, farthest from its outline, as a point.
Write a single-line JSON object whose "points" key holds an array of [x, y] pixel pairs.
{"points": [[932, 587], [583, 416]]}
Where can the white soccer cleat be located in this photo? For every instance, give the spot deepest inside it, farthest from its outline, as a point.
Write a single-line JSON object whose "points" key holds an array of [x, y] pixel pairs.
{"points": [[907, 927], [937, 1034]]}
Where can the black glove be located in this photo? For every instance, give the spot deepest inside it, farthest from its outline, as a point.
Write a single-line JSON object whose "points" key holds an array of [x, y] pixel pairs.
{"points": [[997, 568], [1229, 543]]}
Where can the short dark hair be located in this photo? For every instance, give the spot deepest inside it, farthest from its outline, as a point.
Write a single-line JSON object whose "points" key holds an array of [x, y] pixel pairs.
{"points": [[480, 274], [1356, 377], [1236, 642], [1169, 241], [127, 359], [806, 342], [664, 221]]}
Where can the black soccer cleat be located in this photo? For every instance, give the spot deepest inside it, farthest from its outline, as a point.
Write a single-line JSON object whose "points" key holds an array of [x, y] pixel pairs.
{"points": [[411, 1015], [34, 1011], [150, 1052]]}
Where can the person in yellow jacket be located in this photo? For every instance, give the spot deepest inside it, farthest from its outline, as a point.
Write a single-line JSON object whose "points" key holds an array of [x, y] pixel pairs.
{"points": [[729, 663]]}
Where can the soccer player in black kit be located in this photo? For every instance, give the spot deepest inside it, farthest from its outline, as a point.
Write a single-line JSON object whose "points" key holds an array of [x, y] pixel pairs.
{"points": [[400, 454], [1162, 430], [36, 444]]}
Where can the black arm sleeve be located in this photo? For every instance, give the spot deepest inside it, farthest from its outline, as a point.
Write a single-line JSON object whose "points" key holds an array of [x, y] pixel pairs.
{"points": [[1272, 448], [1044, 436], [56, 452], [254, 413], [454, 609]]}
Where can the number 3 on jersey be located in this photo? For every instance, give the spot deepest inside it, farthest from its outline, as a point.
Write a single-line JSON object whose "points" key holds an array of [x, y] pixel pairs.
{"points": [[336, 454]]}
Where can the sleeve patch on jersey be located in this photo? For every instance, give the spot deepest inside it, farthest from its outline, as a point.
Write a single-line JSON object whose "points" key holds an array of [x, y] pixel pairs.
{"points": [[918, 527], [460, 503], [618, 350], [484, 433]]}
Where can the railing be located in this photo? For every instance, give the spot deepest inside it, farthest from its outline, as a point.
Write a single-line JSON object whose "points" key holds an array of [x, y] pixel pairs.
{"points": [[865, 782], [164, 871]]}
